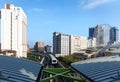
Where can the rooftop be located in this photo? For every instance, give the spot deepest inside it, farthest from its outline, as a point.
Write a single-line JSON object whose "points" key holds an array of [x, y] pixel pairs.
{"points": [[18, 70], [102, 69]]}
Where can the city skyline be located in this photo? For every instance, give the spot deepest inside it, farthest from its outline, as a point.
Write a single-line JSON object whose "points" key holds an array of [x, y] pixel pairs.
{"points": [[72, 17]]}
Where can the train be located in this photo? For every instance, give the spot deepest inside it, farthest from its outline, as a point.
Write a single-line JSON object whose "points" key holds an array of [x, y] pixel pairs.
{"points": [[53, 59]]}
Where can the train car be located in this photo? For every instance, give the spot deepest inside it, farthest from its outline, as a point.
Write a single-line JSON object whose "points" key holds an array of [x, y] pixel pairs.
{"points": [[53, 59]]}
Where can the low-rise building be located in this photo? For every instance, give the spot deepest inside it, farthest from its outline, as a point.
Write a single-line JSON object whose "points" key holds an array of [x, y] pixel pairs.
{"points": [[91, 42], [49, 49], [39, 47]]}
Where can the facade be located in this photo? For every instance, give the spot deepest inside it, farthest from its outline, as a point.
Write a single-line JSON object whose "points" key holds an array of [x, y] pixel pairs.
{"points": [[56, 43], [77, 43], [91, 32], [13, 30], [102, 34], [39, 47], [114, 34], [64, 44], [49, 49], [91, 42], [61, 44]]}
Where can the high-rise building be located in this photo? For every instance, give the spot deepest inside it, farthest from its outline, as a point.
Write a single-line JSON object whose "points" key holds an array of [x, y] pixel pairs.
{"points": [[61, 43], [77, 43], [91, 32], [39, 47], [13, 30], [64, 44], [114, 32], [56, 43], [102, 34]]}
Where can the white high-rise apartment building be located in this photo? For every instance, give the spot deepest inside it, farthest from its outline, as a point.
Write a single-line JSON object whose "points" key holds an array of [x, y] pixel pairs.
{"points": [[13, 30]]}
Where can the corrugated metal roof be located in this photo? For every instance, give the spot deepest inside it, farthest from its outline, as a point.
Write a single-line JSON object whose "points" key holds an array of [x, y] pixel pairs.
{"points": [[18, 70], [102, 69]]}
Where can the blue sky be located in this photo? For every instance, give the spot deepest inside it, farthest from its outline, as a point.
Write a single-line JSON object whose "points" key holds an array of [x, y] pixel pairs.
{"points": [[65, 16]]}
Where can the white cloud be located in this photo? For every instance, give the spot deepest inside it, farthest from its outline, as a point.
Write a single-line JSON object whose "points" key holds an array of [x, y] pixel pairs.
{"points": [[36, 10], [89, 4]]}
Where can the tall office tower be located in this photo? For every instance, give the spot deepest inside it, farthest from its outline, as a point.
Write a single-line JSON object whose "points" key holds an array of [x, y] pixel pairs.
{"points": [[91, 32], [13, 30], [114, 34], [39, 47], [60, 43], [77, 43], [102, 34]]}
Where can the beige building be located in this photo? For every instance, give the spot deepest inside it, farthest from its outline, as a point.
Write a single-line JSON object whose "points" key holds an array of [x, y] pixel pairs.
{"points": [[77, 43], [13, 30]]}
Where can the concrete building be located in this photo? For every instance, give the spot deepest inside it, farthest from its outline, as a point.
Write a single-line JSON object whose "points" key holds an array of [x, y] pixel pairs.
{"points": [[39, 47], [60, 44], [13, 30], [114, 35], [48, 49], [77, 43], [91, 42], [64, 44]]}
